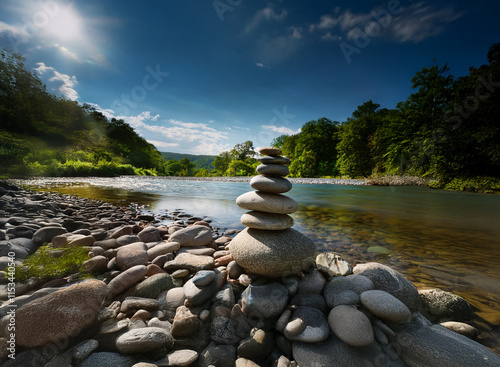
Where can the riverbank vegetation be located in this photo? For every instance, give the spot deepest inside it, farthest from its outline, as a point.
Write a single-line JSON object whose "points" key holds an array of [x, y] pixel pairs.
{"points": [[45, 135]]}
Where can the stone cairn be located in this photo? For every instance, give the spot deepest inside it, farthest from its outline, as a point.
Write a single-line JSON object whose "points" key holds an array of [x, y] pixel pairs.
{"points": [[268, 246]]}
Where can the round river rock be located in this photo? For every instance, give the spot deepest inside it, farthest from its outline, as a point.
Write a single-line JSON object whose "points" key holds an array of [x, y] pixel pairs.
{"points": [[273, 253]]}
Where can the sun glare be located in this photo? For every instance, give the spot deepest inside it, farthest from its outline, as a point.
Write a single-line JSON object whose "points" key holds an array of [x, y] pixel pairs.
{"points": [[65, 24]]}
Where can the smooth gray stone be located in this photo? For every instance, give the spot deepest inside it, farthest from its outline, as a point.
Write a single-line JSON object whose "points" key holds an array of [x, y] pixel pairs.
{"points": [[316, 326], [273, 170], [274, 185], [422, 344], [144, 340], [263, 220], [385, 306], [271, 151], [266, 202], [391, 281], [338, 289], [192, 236], [267, 159], [273, 253], [351, 326]]}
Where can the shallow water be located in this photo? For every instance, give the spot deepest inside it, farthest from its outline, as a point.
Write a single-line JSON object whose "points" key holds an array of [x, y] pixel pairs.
{"points": [[436, 238]]}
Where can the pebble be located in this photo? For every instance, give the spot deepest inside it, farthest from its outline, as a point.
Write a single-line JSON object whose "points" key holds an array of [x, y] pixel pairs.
{"points": [[192, 236], [144, 340], [203, 278], [385, 306], [308, 325], [351, 326]]}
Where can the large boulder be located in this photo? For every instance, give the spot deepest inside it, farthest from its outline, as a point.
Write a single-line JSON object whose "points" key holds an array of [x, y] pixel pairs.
{"points": [[438, 305], [391, 281], [273, 253], [59, 315], [422, 344], [192, 236], [334, 352]]}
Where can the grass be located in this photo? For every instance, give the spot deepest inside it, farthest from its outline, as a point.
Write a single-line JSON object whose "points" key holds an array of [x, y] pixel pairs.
{"points": [[48, 263]]}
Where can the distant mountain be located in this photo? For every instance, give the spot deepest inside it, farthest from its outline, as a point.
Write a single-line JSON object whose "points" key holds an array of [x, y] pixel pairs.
{"points": [[200, 161]]}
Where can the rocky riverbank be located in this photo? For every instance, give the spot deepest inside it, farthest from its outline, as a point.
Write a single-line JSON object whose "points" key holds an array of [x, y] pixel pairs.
{"points": [[165, 291]]}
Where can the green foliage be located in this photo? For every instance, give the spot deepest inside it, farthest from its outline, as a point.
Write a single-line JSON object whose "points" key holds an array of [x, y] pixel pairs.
{"points": [[312, 151], [183, 167], [473, 184], [243, 151], [241, 168], [49, 263], [200, 161], [222, 162], [44, 134]]}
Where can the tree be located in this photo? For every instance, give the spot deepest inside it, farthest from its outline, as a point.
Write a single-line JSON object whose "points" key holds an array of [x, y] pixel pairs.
{"points": [[221, 162], [355, 156], [243, 151]]}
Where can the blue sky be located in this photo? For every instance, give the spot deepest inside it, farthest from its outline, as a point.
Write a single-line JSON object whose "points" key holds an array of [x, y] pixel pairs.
{"points": [[201, 76]]}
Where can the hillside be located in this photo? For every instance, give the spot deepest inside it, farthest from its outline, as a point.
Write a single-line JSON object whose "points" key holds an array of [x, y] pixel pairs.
{"points": [[45, 135], [200, 161]]}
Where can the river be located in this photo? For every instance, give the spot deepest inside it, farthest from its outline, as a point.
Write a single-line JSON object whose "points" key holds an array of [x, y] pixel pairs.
{"points": [[449, 240]]}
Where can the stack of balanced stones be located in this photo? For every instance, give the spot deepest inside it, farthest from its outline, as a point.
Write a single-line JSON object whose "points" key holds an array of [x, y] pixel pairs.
{"points": [[268, 246]]}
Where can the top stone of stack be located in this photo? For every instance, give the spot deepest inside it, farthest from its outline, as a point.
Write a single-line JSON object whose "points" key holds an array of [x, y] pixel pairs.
{"points": [[270, 151]]}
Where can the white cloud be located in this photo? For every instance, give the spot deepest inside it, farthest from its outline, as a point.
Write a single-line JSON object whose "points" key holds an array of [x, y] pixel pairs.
{"points": [[163, 144], [413, 23], [266, 14], [331, 37], [326, 22], [196, 138], [14, 31], [296, 32], [419, 22], [281, 129], [65, 83], [260, 65]]}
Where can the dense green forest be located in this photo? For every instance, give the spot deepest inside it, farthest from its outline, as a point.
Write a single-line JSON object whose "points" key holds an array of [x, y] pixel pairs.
{"points": [[42, 134]]}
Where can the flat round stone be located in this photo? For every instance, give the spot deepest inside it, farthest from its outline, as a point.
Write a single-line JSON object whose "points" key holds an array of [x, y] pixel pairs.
{"points": [[267, 159], [272, 151], [266, 202], [274, 185], [273, 170], [262, 220], [273, 253]]}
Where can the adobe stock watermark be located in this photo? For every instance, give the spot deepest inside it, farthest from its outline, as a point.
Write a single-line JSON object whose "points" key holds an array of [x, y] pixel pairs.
{"points": [[223, 6], [40, 19], [362, 38], [152, 80], [11, 313]]}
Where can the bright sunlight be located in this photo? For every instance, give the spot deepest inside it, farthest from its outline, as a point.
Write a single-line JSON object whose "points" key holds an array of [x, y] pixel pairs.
{"points": [[65, 24]]}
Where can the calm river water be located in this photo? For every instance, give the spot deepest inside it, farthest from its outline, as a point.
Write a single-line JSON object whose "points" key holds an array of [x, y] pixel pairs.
{"points": [[436, 238]]}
